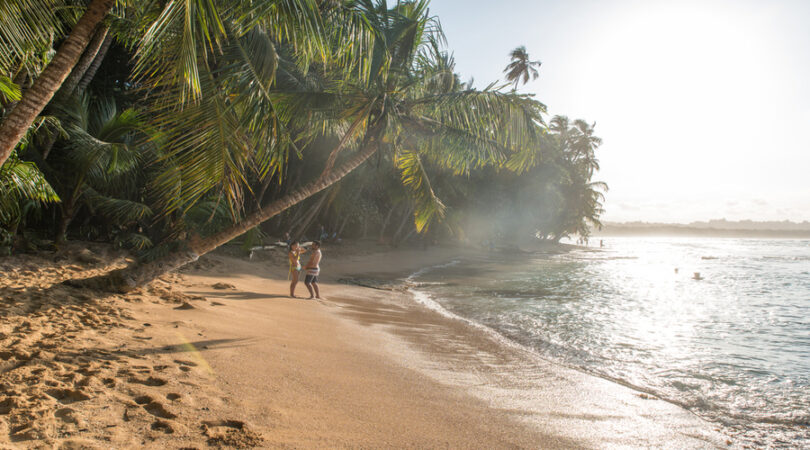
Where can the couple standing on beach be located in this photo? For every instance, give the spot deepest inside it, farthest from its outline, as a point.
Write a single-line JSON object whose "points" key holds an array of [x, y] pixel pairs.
{"points": [[313, 268]]}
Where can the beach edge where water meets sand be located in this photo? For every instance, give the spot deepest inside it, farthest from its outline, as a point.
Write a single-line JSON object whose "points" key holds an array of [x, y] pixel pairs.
{"points": [[238, 363]]}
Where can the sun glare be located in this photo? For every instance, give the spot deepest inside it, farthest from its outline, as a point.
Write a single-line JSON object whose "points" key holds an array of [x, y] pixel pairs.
{"points": [[706, 91]]}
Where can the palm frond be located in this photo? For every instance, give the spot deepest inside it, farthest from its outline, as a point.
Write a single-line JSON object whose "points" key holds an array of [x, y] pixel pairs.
{"points": [[120, 211], [27, 30], [9, 90], [135, 241], [20, 181], [427, 206]]}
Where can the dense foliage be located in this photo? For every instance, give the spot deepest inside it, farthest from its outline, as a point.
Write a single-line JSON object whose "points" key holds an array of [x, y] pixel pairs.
{"points": [[185, 120]]}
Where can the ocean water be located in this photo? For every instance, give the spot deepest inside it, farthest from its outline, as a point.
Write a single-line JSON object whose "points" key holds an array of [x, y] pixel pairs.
{"points": [[732, 347]]}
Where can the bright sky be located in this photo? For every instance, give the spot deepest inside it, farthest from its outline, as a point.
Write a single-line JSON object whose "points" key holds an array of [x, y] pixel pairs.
{"points": [[704, 105]]}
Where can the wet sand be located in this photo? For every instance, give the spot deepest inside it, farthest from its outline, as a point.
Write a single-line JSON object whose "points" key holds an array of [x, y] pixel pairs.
{"points": [[220, 356]]}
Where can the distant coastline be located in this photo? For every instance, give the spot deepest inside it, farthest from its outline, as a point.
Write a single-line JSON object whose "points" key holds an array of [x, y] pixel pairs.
{"points": [[712, 228]]}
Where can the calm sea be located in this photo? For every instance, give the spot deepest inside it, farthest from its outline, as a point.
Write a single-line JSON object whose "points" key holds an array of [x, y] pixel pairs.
{"points": [[733, 346]]}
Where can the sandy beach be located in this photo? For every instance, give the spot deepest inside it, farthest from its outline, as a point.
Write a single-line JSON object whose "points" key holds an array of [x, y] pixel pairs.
{"points": [[218, 355]]}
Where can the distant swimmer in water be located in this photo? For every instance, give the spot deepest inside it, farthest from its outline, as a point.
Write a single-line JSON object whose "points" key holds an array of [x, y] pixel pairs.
{"points": [[676, 270], [697, 276]]}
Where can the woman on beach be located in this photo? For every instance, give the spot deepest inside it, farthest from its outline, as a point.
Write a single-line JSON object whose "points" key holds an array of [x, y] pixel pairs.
{"points": [[294, 256]]}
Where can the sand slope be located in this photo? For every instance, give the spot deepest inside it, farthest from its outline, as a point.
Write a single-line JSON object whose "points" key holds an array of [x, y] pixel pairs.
{"points": [[219, 356], [78, 369]]}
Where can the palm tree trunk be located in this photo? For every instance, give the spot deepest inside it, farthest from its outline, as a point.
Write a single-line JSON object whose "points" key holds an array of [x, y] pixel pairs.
{"points": [[33, 101], [385, 224], [91, 71], [129, 278], [311, 215], [72, 81], [64, 222], [343, 225]]}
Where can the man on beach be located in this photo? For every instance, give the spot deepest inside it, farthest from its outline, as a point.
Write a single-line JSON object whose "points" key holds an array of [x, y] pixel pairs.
{"points": [[313, 269]]}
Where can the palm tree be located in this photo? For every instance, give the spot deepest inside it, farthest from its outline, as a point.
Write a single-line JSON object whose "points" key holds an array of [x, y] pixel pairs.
{"points": [[169, 49], [521, 67], [17, 122], [22, 187], [582, 198], [99, 161], [400, 95]]}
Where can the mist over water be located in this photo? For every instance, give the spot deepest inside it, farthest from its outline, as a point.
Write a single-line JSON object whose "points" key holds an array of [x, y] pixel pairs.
{"points": [[733, 347]]}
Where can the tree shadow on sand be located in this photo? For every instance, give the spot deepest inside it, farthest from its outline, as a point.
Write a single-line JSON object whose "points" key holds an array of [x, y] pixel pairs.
{"points": [[238, 295]]}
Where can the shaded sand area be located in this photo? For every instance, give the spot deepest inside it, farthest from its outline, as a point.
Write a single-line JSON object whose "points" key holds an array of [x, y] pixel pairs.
{"points": [[219, 356]]}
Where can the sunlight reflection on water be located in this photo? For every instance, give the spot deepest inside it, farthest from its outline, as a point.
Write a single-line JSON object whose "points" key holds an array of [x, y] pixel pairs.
{"points": [[734, 347]]}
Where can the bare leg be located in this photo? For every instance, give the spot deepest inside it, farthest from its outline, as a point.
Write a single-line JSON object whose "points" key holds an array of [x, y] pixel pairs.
{"points": [[293, 283], [309, 288], [317, 292]]}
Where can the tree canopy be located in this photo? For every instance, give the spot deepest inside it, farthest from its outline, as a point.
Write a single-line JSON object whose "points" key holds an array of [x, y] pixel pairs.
{"points": [[189, 124]]}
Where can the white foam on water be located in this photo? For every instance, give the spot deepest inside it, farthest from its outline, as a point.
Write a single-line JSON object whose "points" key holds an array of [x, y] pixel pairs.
{"points": [[632, 295]]}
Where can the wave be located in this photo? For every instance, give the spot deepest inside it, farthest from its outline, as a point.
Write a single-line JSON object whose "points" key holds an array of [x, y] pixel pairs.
{"points": [[729, 408]]}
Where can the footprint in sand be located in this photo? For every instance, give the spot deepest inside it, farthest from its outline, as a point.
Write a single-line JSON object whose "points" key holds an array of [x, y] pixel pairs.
{"points": [[67, 415], [142, 400], [7, 405], [151, 381], [185, 366], [141, 369], [173, 396], [67, 396], [158, 410], [183, 362], [230, 433], [160, 425]]}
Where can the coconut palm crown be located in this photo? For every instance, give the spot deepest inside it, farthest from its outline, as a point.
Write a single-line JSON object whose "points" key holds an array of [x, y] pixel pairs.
{"points": [[521, 67]]}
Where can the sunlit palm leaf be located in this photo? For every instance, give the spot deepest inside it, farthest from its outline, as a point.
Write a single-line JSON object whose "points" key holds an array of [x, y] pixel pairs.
{"points": [[427, 207], [19, 181]]}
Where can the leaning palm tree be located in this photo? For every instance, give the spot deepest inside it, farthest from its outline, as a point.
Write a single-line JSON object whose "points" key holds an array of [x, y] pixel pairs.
{"points": [[175, 31], [17, 27], [400, 96], [521, 67]]}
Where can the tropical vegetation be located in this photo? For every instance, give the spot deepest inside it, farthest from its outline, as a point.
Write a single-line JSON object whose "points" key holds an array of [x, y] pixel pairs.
{"points": [[173, 128]]}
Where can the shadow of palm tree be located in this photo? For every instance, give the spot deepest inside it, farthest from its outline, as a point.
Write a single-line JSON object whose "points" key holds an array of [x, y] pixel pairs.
{"points": [[237, 295]]}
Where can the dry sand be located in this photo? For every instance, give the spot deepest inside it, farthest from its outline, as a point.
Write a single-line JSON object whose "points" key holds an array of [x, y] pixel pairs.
{"points": [[219, 356]]}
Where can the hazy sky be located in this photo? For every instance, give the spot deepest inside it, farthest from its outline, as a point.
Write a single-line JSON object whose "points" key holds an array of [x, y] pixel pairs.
{"points": [[704, 106]]}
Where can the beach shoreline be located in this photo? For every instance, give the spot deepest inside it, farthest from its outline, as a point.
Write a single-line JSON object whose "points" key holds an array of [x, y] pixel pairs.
{"points": [[220, 355]]}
